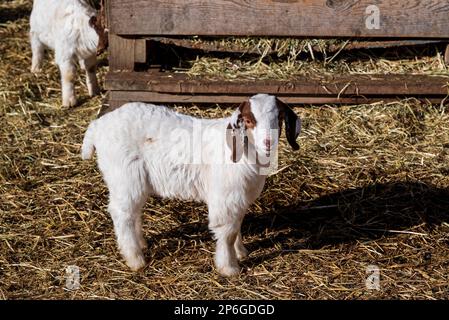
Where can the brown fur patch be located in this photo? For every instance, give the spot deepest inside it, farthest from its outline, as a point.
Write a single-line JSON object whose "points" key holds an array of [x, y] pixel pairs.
{"points": [[98, 23], [247, 115]]}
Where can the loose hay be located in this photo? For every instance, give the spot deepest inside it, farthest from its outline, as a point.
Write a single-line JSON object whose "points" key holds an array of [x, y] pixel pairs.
{"points": [[293, 57], [430, 62], [369, 186]]}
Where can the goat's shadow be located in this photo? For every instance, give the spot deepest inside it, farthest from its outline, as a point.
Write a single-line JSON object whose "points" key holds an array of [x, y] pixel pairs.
{"points": [[361, 214]]}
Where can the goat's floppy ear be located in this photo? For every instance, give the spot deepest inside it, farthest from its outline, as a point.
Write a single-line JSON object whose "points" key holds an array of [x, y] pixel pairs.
{"points": [[93, 22], [292, 123]]}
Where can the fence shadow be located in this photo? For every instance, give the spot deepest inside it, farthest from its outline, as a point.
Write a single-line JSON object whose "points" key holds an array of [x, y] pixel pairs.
{"points": [[13, 14]]}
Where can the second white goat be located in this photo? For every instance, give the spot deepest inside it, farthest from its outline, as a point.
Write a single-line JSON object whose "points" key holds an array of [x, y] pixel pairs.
{"points": [[144, 149], [70, 28]]}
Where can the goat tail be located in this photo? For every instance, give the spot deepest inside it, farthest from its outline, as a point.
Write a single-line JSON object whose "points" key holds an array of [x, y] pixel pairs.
{"points": [[88, 148]]}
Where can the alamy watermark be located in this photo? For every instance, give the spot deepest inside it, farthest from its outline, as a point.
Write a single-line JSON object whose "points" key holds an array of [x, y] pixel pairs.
{"points": [[239, 148], [72, 277], [372, 17], [372, 282]]}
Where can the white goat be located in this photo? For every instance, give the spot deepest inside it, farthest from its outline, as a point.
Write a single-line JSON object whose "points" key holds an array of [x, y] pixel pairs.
{"points": [[72, 30], [144, 149]]}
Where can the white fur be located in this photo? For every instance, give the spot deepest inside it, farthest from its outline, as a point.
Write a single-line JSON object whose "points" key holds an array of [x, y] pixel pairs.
{"points": [[63, 26], [144, 149]]}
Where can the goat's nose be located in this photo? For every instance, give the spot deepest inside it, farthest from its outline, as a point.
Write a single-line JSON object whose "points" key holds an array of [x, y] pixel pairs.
{"points": [[267, 143]]}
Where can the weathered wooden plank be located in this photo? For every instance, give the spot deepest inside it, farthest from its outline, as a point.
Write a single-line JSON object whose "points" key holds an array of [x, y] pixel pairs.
{"points": [[125, 52], [118, 98], [302, 18], [121, 53], [145, 96], [345, 85], [140, 51]]}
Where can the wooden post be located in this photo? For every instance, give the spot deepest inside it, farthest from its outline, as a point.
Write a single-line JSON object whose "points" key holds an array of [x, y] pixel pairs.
{"points": [[140, 51], [125, 52], [121, 53]]}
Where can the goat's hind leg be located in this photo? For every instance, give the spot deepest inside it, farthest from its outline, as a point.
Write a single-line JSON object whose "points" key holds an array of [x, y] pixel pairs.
{"points": [[127, 197], [123, 214]]}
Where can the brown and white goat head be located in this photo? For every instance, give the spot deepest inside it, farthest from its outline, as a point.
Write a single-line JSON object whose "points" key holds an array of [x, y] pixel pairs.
{"points": [[258, 121]]}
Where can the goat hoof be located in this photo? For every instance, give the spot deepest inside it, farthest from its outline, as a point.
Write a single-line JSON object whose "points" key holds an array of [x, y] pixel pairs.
{"points": [[136, 263], [143, 244], [229, 271], [71, 102], [36, 70], [241, 253], [94, 92]]}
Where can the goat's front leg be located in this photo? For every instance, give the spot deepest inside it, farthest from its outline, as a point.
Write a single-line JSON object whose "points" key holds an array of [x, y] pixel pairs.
{"points": [[226, 227], [37, 49], [240, 249], [68, 71], [139, 232]]}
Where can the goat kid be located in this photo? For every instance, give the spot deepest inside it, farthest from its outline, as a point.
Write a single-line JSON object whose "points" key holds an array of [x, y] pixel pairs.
{"points": [[70, 28], [144, 149]]}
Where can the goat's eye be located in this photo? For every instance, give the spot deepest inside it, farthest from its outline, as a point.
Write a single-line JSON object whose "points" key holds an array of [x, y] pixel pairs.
{"points": [[248, 122]]}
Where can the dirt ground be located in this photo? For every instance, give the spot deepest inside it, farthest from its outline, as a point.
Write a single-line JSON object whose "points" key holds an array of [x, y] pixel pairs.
{"points": [[368, 187]]}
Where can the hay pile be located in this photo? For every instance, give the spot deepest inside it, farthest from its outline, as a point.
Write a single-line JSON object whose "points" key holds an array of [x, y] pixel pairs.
{"points": [[368, 186], [284, 58]]}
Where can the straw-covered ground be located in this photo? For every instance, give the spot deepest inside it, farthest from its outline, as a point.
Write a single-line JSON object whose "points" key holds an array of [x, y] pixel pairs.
{"points": [[369, 186]]}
